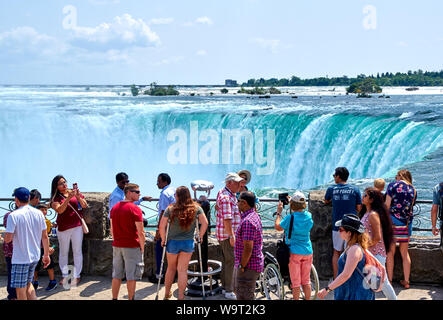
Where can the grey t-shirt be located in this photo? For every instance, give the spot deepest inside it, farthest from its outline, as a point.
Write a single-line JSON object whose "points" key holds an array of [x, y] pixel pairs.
{"points": [[175, 230]]}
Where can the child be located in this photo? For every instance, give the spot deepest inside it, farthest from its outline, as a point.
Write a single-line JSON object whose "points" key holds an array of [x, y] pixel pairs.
{"points": [[379, 184], [300, 246], [52, 283]]}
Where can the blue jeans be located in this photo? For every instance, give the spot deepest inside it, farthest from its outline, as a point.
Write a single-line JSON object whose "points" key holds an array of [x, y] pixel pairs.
{"points": [[387, 288], [12, 293]]}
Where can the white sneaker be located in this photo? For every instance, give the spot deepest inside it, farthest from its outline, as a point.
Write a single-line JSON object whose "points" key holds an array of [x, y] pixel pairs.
{"points": [[230, 296]]}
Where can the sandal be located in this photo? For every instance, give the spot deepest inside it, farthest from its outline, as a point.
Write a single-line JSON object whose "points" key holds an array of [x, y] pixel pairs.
{"points": [[405, 284], [167, 296]]}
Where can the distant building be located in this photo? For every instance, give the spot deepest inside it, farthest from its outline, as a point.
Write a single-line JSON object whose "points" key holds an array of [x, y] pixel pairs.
{"points": [[231, 83]]}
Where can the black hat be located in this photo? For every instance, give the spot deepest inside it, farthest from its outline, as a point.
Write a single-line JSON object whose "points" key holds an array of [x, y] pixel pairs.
{"points": [[351, 222]]}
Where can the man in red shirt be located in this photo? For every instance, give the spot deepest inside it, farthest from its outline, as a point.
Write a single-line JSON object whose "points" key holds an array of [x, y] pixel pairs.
{"points": [[129, 241]]}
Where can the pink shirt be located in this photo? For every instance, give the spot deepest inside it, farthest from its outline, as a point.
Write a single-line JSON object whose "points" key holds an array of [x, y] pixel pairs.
{"points": [[227, 209], [379, 248]]}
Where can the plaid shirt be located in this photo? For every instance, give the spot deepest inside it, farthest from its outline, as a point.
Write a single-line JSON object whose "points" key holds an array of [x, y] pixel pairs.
{"points": [[227, 209], [250, 229], [7, 247]]}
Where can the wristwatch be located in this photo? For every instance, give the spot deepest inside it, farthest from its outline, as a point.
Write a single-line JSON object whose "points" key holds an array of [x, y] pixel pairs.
{"points": [[328, 289]]}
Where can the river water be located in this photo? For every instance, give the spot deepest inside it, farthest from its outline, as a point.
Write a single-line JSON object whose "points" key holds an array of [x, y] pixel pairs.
{"points": [[90, 134]]}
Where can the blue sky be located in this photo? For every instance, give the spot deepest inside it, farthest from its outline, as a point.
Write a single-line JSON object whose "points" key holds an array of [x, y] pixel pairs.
{"points": [[206, 42]]}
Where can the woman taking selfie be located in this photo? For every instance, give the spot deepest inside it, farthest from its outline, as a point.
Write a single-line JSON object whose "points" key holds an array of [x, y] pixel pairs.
{"points": [[69, 205], [180, 238]]}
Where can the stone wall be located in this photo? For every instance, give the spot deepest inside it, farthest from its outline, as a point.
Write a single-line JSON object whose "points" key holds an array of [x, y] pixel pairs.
{"points": [[427, 258]]}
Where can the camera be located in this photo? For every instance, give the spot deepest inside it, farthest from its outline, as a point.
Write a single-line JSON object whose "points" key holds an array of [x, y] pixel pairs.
{"points": [[74, 186], [283, 197]]}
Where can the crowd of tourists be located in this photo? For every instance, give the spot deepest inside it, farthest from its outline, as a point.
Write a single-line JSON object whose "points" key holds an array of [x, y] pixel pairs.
{"points": [[366, 230]]}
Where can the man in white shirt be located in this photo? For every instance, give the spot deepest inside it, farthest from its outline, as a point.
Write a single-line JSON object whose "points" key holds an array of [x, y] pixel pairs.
{"points": [[167, 197], [26, 227]]}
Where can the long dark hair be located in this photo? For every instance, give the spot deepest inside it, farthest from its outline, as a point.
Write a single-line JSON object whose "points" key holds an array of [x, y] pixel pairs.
{"points": [[54, 185], [378, 205], [184, 209]]}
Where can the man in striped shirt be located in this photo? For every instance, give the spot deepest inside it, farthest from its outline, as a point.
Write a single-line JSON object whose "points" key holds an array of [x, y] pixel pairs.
{"points": [[249, 260], [227, 222]]}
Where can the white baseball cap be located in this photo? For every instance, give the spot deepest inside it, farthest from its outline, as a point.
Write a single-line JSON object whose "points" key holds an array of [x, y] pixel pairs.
{"points": [[299, 197], [232, 176]]}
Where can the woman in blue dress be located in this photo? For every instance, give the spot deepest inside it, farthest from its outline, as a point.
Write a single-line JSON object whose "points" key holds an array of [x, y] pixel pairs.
{"points": [[349, 283]]}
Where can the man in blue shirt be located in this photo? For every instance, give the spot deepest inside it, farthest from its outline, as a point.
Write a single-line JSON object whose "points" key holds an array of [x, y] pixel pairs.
{"points": [[167, 197], [437, 208], [345, 199], [119, 195]]}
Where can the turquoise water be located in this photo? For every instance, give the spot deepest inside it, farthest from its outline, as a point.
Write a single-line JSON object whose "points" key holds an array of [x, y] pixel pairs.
{"points": [[89, 136]]}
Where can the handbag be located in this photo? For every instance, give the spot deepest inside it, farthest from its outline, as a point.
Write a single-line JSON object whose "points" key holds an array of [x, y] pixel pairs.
{"points": [[84, 225], [283, 252]]}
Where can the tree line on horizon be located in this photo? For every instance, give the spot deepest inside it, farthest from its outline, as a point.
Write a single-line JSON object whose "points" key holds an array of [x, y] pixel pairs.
{"points": [[411, 78]]}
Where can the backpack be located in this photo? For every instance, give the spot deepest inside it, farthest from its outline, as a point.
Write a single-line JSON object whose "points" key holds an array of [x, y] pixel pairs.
{"points": [[374, 273], [283, 253]]}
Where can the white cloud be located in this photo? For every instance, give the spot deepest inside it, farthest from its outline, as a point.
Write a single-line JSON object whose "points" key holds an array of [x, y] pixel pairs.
{"points": [[168, 61], [157, 21], [122, 32], [200, 20], [201, 52], [204, 20], [26, 41], [268, 44]]}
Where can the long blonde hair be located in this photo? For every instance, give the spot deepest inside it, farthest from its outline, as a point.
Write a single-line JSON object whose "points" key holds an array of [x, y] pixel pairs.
{"points": [[361, 239], [405, 175]]}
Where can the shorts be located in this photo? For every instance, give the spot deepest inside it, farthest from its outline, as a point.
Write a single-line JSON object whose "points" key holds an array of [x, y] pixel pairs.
{"points": [[127, 261], [40, 262], [300, 269], [402, 230], [177, 246], [338, 243], [22, 274]]}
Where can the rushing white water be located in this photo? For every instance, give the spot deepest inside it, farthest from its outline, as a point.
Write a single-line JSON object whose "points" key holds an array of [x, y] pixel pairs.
{"points": [[91, 135]]}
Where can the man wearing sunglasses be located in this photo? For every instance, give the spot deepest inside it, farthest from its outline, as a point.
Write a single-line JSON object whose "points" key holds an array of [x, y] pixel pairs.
{"points": [[128, 243], [118, 195]]}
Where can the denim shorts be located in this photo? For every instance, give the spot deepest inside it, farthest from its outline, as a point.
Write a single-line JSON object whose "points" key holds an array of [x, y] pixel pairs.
{"points": [[177, 246]]}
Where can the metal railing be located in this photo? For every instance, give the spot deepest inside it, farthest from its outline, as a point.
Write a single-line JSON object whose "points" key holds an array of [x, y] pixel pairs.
{"points": [[265, 208]]}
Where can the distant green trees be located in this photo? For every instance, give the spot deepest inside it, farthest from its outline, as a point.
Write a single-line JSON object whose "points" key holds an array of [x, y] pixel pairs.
{"points": [[134, 90], [364, 87], [258, 90], [411, 78], [273, 90], [155, 90], [224, 90]]}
